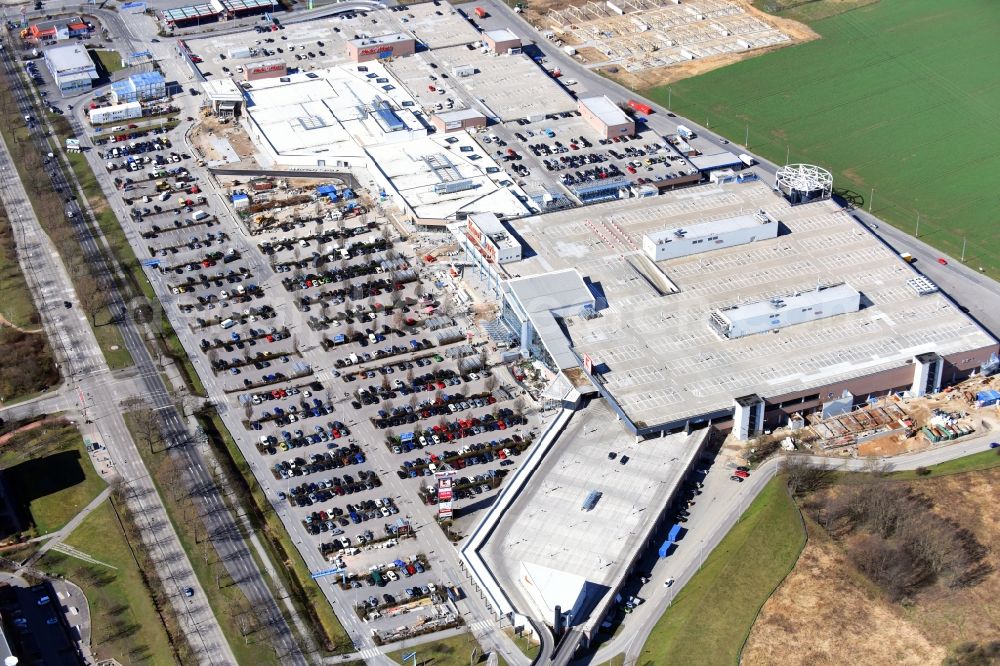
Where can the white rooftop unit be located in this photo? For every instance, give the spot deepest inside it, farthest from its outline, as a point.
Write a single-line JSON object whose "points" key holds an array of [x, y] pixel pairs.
{"points": [[711, 235], [737, 321]]}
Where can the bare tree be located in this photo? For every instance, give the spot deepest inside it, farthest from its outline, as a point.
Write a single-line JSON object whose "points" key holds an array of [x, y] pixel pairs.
{"points": [[148, 427], [802, 476], [93, 299]]}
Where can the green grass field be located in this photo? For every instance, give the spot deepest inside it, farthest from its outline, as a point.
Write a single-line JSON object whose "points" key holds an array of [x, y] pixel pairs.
{"points": [[125, 624], [49, 475], [111, 61], [971, 463], [453, 651], [899, 95], [712, 615]]}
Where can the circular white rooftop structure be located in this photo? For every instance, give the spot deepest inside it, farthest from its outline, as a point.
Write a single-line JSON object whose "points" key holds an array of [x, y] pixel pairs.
{"points": [[804, 182]]}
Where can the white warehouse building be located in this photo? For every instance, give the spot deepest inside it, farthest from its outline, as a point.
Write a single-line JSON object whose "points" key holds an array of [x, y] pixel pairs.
{"points": [[114, 113], [711, 235]]}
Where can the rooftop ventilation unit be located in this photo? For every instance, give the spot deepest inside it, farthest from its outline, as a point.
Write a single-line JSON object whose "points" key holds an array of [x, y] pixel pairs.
{"points": [[593, 497], [921, 285]]}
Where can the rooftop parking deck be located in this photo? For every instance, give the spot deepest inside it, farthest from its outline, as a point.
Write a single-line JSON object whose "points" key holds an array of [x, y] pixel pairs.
{"points": [[660, 358], [587, 551]]}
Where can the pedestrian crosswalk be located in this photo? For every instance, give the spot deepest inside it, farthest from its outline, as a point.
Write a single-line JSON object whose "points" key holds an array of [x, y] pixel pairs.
{"points": [[369, 653], [480, 625]]}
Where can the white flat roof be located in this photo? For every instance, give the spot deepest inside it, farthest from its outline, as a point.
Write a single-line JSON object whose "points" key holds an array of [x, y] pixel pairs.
{"points": [[69, 57], [715, 161], [222, 90], [588, 552], [490, 225], [710, 227], [328, 112], [391, 38], [502, 35], [605, 109], [460, 114], [416, 168], [561, 292]]}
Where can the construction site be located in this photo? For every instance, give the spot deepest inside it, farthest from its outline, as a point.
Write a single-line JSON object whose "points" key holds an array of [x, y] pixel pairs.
{"points": [[895, 424]]}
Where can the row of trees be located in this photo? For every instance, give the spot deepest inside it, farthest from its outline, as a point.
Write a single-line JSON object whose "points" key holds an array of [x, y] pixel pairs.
{"points": [[49, 205], [893, 535]]}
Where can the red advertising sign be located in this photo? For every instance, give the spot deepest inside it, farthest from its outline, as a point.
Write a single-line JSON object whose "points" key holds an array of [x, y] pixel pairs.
{"points": [[588, 364], [473, 230], [375, 49], [270, 67]]}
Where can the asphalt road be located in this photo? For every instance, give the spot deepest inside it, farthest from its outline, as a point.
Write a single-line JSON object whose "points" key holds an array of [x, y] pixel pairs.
{"points": [[87, 375], [220, 523]]}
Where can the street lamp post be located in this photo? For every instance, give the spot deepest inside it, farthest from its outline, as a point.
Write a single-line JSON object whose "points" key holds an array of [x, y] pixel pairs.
{"points": [[871, 199], [917, 234]]}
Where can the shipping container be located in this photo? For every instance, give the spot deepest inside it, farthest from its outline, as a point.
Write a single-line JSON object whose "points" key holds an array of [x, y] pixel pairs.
{"points": [[481, 13]]}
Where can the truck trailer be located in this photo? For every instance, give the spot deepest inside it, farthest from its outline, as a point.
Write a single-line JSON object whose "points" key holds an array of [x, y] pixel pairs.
{"points": [[644, 109]]}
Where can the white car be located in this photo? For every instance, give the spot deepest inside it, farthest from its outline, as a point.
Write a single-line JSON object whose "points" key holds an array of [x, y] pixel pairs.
{"points": [[668, 582]]}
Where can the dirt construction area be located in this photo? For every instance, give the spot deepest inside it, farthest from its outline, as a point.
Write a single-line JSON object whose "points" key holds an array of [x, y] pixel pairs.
{"points": [[645, 43], [825, 612]]}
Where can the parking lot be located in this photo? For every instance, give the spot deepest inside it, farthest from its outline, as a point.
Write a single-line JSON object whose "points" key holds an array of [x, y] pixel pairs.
{"points": [[563, 150], [341, 355]]}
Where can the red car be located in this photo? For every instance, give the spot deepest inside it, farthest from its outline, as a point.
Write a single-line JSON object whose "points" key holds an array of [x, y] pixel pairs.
{"points": [[942, 261], [740, 473]]}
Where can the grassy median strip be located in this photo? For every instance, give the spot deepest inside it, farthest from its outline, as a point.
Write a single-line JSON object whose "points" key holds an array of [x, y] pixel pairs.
{"points": [[27, 366], [126, 258], [51, 213], [246, 633], [306, 595], [125, 624], [711, 616]]}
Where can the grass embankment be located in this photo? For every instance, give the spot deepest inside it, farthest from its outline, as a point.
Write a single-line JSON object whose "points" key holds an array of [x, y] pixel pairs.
{"points": [[245, 634], [975, 462], [875, 103], [124, 622], [49, 476], [902, 566], [306, 595], [453, 651], [711, 616], [125, 256], [110, 61], [50, 210], [27, 366], [529, 648]]}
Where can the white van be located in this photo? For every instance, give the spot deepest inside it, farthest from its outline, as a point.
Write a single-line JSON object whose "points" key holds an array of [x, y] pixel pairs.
{"points": [[228, 323]]}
